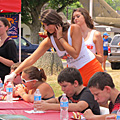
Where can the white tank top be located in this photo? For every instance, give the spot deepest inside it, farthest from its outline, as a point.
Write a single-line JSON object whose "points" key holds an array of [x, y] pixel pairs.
{"points": [[85, 55], [89, 42]]}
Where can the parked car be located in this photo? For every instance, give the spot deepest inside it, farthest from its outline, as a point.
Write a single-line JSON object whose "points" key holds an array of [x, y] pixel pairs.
{"points": [[114, 52], [109, 39], [27, 48]]}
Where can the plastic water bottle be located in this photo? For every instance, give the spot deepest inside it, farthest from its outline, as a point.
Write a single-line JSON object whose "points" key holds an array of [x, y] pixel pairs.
{"points": [[64, 107], [37, 97], [1, 85], [118, 114], [9, 90]]}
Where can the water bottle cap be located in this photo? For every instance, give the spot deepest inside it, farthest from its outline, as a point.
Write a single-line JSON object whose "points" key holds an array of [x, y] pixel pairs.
{"points": [[9, 84], [63, 94]]}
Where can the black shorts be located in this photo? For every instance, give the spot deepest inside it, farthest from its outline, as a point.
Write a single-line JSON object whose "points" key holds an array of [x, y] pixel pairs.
{"points": [[105, 52]]}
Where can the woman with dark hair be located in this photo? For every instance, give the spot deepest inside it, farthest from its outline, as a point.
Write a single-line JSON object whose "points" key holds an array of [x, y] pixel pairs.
{"points": [[92, 37], [8, 50], [33, 78], [69, 45]]}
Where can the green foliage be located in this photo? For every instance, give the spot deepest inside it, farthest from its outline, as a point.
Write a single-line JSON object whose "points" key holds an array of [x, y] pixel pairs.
{"points": [[59, 5], [115, 4], [31, 10], [68, 9]]}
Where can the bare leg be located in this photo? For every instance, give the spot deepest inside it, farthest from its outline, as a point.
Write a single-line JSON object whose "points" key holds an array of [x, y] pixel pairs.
{"points": [[104, 63]]}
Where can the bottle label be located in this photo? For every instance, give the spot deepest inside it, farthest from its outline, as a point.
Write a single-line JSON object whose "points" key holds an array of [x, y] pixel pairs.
{"points": [[9, 89], [63, 104], [1, 85], [37, 98], [118, 117]]}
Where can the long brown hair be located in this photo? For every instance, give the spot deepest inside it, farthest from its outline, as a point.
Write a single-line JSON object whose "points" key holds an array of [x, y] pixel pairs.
{"points": [[50, 16], [87, 17]]}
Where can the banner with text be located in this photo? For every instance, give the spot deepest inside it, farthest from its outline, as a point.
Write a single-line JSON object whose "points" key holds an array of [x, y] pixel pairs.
{"points": [[13, 30]]}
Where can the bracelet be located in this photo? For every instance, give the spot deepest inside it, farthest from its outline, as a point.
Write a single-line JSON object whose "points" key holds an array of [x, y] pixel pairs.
{"points": [[60, 38]]}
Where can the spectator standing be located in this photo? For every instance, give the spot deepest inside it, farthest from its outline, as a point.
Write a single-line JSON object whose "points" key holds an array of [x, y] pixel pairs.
{"points": [[8, 50], [93, 39], [105, 49], [69, 45]]}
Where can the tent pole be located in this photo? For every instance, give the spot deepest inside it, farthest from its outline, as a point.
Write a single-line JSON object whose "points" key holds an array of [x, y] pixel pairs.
{"points": [[91, 8], [19, 37]]}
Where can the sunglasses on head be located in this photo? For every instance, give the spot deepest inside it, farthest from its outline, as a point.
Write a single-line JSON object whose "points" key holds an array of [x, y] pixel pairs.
{"points": [[25, 81]]}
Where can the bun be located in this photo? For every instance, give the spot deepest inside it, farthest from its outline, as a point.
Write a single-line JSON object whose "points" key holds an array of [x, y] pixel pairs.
{"points": [[76, 115]]}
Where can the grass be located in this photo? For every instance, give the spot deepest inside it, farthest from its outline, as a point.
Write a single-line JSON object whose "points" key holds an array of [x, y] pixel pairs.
{"points": [[52, 80], [115, 74]]}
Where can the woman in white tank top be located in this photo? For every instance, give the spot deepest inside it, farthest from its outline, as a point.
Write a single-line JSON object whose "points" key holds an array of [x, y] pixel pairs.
{"points": [[68, 42], [93, 38]]}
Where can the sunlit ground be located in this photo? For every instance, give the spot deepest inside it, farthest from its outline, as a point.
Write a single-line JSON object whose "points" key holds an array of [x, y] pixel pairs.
{"points": [[115, 74]]}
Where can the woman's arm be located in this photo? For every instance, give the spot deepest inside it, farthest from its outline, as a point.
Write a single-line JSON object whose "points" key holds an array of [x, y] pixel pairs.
{"points": [[6, 62], [98, 41], [43, 47], [76, 36]]}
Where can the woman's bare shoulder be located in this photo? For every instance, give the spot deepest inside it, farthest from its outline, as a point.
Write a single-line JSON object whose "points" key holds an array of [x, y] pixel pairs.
{"points": [[75, 28], [97, 34]]}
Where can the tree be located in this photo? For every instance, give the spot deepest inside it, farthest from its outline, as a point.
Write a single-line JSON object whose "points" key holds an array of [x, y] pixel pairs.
{"points": [[68, 9], [31, 13], [115, 4]]}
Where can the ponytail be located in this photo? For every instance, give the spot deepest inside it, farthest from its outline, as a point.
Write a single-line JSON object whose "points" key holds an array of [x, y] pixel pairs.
{"points": [[35, 73]]}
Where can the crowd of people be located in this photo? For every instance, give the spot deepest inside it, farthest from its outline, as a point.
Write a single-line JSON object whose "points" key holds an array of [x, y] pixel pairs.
{"points": [[84, 81]]}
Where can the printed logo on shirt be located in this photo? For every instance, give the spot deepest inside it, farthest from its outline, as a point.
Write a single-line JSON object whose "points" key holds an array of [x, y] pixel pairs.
{"points": [[89, 46], [105, 43], [71, 100], [65, 56]]}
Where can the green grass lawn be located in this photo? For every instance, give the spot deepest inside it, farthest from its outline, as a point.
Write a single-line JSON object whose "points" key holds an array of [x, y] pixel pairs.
{"points": [[52, 80]]}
